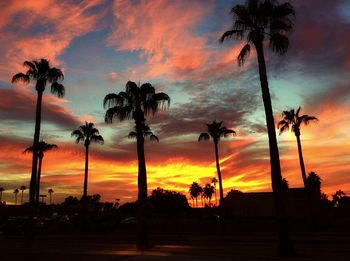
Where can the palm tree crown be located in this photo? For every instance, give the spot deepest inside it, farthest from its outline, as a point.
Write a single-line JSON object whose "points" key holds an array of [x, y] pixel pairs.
{"points": [[41, 72], [41, 148], [134, 103], [87, 133], [258, 20], [292, 120], [216, 132]]}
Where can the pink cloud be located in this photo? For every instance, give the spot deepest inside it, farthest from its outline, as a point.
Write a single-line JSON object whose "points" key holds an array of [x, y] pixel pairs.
{"points": [[61, 22]]}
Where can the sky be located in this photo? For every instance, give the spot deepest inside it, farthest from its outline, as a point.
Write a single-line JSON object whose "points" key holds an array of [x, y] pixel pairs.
{"points": [[101, 44]]}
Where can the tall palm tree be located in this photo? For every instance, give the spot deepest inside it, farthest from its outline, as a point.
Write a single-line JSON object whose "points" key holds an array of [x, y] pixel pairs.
{"points": [[50, 191], [292, 120], [1, 190], [41, 149], [208, 192], [214, 181], [135, 103], [195, 191], [23, 188], [16, 191], [257, 21], [40, 72], [87, 133], [216, 131]]}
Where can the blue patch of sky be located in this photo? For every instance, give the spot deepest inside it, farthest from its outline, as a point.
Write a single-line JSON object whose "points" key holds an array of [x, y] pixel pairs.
{"points": [[344, 11]]}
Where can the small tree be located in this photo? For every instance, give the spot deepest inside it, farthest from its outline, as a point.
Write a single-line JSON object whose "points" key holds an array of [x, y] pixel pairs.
{"points": [[1, 190], [50, 191], [23, 188], [16, 191]]}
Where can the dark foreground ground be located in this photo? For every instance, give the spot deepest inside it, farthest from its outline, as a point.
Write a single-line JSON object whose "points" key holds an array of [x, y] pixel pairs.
{"points": [[199, 246]]}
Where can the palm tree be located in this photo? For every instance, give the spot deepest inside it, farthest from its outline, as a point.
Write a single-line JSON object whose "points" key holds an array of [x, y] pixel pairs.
{"points": [[23, 188], [292, 120], [41, 72], [208, 192], [87, 133], [214, 181], [1, 190], [257, 20], [42, 147], [16, 191], [195, 191], [135, 103], [216, 131], [50, 191]]}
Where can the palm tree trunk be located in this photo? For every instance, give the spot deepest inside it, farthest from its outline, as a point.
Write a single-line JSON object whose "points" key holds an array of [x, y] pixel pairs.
{"points": [[285, 245], [219, 172], [37, 195], [142, 239], [301, 161], [50, 199], [196, 202], [32, 185], [15, 199], [216, 199], [86, 171], [22, 198]]}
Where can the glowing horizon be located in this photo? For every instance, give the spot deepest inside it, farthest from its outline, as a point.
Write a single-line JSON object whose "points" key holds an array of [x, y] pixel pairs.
{"points": [[102, 44]]}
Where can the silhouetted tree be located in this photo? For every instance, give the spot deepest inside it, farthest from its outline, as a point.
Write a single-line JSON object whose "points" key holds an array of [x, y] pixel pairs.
{"points": [[87, 133], [42, 147], [167, 200], [1, 190], [292, 120], [50, 191], [214, 181], [257, 20], [195, 191], [285, 184], [40, 72], [71, 201], [135, 103], [208, 192], [337, 196], [16, 191], [314, 181], [22, 188], [216, 131]]}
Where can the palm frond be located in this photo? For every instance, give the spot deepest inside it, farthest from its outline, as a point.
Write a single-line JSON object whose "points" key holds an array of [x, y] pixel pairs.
{"points": [[30, 66], [78, 134], [306, 119], [54, 75], [113, 99], [132, 135], [244, 53], [203, 136], [131, 88], [97, 138], [20, 77], [279, 43], [57, 89], [116, 112], [226, 132], [238, 34], [154, 138]]}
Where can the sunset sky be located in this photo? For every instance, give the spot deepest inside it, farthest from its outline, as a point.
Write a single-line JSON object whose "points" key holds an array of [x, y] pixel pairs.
{"points": [[101, 44]]}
